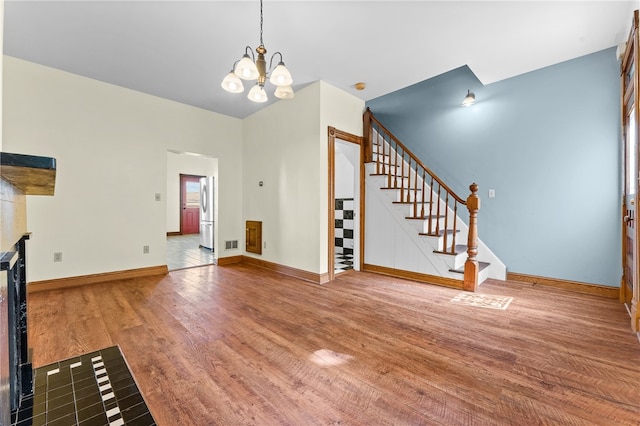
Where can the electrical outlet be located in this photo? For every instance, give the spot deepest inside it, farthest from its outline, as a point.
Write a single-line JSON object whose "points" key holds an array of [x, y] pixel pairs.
{"points": [[57, 257], [145, 249], [265, 244], [157, 196]]}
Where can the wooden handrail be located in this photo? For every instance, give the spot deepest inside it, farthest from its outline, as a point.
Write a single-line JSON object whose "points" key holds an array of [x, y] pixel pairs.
{"points": [[369, 118], [412, 178]]}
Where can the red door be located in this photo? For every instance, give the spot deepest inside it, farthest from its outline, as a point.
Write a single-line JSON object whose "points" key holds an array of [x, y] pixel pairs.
{"points": [[190, 204]]}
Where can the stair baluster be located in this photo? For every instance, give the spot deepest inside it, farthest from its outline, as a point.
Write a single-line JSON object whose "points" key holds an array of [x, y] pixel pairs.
{"points": [[455, 222], [446, 227], [430, 230], [423, 192], [438, 198], [402, 177], [395, 168], [390, 170]]}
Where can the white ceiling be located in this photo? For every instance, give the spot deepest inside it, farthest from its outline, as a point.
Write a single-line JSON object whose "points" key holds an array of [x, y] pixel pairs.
{"points": [[181, 50]]}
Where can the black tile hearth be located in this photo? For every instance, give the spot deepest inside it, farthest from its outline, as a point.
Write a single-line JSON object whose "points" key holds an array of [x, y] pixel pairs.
{"points": [[95, 389]]}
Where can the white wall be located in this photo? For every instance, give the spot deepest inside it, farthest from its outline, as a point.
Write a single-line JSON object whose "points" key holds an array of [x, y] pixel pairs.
{"points": [[110, 144], [343, 111], [285, 146], [187, 164], [281, 149], [345, 170]]}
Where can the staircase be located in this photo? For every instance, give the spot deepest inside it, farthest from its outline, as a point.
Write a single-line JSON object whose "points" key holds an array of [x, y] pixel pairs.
{"points": [[413, 220]]}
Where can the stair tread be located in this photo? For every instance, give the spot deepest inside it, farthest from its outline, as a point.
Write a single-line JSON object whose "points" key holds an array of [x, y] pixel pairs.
{"points": [[460, 248], [433, 216], [387, 187], [439, 234], [383, 164], [387, 174], [481, 266], [411, 202]]}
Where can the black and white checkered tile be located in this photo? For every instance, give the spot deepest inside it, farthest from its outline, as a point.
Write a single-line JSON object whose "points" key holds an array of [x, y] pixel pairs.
{"points": [[95, 389], [343, 262], [344, 226]]}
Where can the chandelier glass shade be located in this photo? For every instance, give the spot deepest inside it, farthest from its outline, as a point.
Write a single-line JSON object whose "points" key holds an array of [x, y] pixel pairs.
{"points": [[249, 68]]}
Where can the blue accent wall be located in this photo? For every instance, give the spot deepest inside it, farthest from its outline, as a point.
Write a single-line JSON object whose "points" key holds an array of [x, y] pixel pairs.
{"points": [[548, 142]]}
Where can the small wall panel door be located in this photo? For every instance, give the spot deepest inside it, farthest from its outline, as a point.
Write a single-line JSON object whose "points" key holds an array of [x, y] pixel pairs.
{"points": [[254, 237]]}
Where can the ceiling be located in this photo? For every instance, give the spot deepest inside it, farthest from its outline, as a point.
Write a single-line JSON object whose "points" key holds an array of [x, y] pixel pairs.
{"points": [[181, 50]]}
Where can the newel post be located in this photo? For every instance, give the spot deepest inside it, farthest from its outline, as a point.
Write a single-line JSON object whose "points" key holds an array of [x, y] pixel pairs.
{"points": [[471, 265]]}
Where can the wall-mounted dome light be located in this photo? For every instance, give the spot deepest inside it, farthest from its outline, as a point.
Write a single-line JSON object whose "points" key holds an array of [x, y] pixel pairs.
{"points": [[469, 99]]}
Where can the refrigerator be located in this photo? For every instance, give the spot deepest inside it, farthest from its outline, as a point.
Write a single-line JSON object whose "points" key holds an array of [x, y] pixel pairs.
{"points": [[206, 212]]}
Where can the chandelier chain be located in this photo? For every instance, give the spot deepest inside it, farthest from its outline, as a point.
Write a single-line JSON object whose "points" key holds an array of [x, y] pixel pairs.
{"points": [[261, 42]]}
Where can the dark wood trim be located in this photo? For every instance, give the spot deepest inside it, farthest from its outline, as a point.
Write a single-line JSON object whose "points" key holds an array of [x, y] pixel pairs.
{"points": [[347, 137], [630, 97], [229, 260], [575, 286], [174, 233], [60, 283], [331, 216], [414, 276], [287, 270], [363, 185]]}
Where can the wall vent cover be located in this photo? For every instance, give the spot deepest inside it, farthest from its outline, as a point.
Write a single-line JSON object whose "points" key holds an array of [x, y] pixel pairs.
{"points": [[228, 245]]}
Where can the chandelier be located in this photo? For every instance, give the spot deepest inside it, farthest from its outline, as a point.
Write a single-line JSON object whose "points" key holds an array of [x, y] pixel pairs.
{"points": [[249, 68]]}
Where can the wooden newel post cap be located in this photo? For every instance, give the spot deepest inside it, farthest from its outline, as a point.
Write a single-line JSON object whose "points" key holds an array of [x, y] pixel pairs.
{"points": [[473, 201]]}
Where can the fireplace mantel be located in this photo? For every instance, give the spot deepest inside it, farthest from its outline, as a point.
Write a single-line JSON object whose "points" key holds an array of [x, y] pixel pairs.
{"points": [[20, 175], [31, 174]]}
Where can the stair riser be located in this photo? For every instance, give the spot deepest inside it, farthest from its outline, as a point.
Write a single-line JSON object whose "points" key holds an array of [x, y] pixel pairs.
{"points": [[438, 242], [422, 225], [400, 196], [454, 261]]}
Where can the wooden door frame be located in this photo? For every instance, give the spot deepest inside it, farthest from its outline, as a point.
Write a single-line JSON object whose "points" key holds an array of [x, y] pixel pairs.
{"points": [[358, 140], [631, 90], [181, 203]]}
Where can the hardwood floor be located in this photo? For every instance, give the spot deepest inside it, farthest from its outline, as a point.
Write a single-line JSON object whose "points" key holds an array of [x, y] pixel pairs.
{"points": [[241, 345]]}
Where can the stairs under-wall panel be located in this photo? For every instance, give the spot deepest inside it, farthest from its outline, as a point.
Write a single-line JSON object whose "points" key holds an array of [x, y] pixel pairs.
{"points": [[396, 234]]}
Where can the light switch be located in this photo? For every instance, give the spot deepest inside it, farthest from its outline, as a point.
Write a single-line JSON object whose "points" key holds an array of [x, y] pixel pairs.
{"points": [[492, 193]]}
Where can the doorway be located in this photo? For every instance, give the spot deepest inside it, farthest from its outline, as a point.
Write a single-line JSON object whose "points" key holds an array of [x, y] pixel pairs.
{"points": [[345, 190], [183, 198]]}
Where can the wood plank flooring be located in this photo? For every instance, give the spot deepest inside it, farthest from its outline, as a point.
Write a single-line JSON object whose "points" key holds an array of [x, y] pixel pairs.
{"points": [[240, 345]]}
